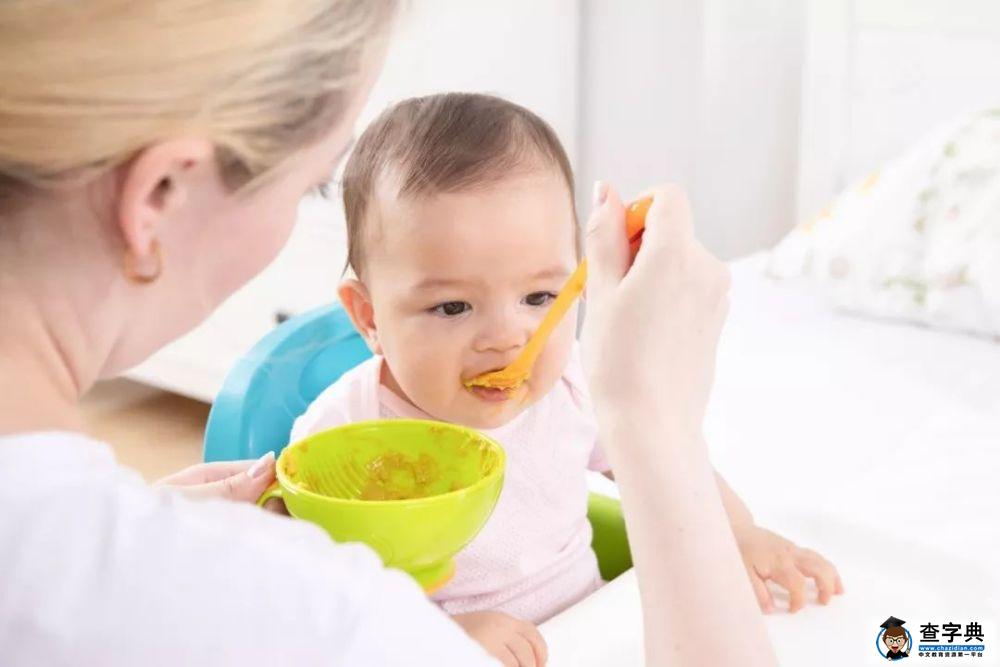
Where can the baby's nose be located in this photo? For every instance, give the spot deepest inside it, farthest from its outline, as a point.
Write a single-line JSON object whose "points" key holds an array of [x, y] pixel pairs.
{"points": [[505, 334]]}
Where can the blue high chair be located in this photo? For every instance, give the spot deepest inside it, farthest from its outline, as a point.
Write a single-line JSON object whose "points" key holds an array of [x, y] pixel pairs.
{"points": [[276, 381]]}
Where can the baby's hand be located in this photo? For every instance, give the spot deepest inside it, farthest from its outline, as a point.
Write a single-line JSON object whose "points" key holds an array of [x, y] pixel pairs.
{"points": [[514, 642], [767, 555]]}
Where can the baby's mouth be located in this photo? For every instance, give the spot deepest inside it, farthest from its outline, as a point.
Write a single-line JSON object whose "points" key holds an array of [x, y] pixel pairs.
{"points": [[492, 394]]}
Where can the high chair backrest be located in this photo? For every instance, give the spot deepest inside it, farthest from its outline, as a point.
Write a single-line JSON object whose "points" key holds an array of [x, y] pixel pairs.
{"points": [[276, 381]]}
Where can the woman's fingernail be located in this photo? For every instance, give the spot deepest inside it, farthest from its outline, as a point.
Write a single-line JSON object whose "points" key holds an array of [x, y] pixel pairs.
{"points": [[260, 465], [600, 192]]}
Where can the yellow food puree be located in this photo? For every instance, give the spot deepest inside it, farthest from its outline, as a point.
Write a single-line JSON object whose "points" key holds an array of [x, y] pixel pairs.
{"points": [[393, 476]]}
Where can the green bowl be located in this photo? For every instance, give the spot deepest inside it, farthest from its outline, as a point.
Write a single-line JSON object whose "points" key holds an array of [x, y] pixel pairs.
{"points": [[415, 491]]}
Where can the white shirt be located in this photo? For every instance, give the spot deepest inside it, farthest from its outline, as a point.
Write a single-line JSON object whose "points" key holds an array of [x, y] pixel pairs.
{"points": [[97, 568]]}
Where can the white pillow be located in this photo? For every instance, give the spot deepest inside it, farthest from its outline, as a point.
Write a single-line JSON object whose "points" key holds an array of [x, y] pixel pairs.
{"points": [[917, 240]]}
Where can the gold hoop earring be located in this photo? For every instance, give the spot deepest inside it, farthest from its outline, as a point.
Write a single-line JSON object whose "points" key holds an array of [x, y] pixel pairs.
{"points": [[137, 269]]}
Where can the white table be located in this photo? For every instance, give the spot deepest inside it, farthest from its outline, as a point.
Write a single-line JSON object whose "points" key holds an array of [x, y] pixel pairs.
{"points": [[921, 585]]}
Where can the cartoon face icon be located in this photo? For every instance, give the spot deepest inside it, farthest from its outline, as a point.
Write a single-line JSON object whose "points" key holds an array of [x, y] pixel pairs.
{"points": [[895, 639], [894, 642]]}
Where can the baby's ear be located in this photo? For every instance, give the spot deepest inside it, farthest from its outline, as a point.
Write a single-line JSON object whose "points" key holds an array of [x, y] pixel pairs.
{"points": [[358, 304]]}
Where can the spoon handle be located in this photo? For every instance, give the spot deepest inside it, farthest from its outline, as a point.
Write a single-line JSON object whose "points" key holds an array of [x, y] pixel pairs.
{"points": [[567, 295]]}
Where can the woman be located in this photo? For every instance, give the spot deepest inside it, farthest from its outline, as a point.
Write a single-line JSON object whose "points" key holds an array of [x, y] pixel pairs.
{"points": [[152, 155]]}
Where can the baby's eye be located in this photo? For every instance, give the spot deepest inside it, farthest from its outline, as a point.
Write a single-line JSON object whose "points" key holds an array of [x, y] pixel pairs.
{"points": [[452, 308], [539, 298]]}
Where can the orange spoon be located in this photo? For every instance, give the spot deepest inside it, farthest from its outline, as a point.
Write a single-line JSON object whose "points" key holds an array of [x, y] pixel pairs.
{"points": [[514, 375]]}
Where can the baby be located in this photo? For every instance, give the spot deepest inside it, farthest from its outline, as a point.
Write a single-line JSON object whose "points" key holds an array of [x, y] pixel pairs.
{"points": [[461, 231]]}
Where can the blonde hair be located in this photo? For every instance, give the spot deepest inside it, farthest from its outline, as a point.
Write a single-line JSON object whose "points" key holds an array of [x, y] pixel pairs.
{"points": [[86, 84]]}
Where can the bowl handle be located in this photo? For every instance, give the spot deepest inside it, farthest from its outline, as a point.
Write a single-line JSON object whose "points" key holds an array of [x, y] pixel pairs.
{"points": [[273, 491]]}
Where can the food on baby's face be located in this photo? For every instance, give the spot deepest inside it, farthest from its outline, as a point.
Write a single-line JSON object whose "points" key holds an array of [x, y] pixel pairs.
{"points": [[507, 382]]}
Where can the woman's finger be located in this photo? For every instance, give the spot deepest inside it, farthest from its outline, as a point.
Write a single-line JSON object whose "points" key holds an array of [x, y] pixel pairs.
{"points": [[607, 245], [669, 221], [245, 486], [204, 473]]}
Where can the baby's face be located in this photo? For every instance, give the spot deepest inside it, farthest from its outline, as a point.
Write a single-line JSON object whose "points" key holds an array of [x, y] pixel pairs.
{"points": [[458, 283]]}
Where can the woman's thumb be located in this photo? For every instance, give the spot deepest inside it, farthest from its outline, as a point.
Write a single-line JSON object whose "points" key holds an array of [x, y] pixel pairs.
{"points": [[245, 486], [607, 246]]}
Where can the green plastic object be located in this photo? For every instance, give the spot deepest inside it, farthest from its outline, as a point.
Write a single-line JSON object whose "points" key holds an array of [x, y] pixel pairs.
{"points": [[415, 491], [610, 541]]}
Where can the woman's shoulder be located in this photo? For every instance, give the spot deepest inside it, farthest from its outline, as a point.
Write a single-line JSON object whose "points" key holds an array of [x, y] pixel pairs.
{"points": [[48, 452]]}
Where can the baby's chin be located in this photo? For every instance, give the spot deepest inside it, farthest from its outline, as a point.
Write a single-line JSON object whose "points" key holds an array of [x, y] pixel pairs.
{"points": [[474, 412], [491, 414]]}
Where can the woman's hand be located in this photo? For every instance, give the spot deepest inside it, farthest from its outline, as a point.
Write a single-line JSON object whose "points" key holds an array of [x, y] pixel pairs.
{"points": [[234, 480], [652, 329], [768, 555], [514, 642]]}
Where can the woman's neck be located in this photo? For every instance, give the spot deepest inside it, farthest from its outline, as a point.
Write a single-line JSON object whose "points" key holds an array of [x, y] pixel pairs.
{"points": [[41, 379], [58, 311]]}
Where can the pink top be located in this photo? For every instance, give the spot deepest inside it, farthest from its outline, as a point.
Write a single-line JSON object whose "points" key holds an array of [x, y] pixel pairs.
{"points": [[533, 558]]}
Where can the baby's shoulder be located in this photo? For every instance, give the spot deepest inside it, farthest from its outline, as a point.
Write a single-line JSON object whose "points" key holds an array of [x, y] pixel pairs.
{"points": [[353, 397]]}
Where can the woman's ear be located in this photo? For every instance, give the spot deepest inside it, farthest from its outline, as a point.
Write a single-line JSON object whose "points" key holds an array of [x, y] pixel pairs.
{"points": [[357, 302], [155, 185]]}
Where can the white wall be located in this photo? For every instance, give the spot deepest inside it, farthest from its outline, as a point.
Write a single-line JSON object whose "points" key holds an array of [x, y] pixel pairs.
{"points": [[878, 74], [705, 93], [523, 50]]}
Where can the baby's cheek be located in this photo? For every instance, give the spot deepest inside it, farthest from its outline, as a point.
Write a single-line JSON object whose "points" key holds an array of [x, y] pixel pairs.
{"points": [[422, 379], [431, 382]]}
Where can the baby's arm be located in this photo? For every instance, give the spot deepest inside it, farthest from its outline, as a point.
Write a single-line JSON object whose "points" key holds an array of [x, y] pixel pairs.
{"points": [[767, 555], [738, 513]]}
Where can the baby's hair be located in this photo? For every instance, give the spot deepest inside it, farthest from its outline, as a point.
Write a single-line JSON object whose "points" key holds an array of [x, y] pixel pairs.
{"points": [[449, 142]]}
